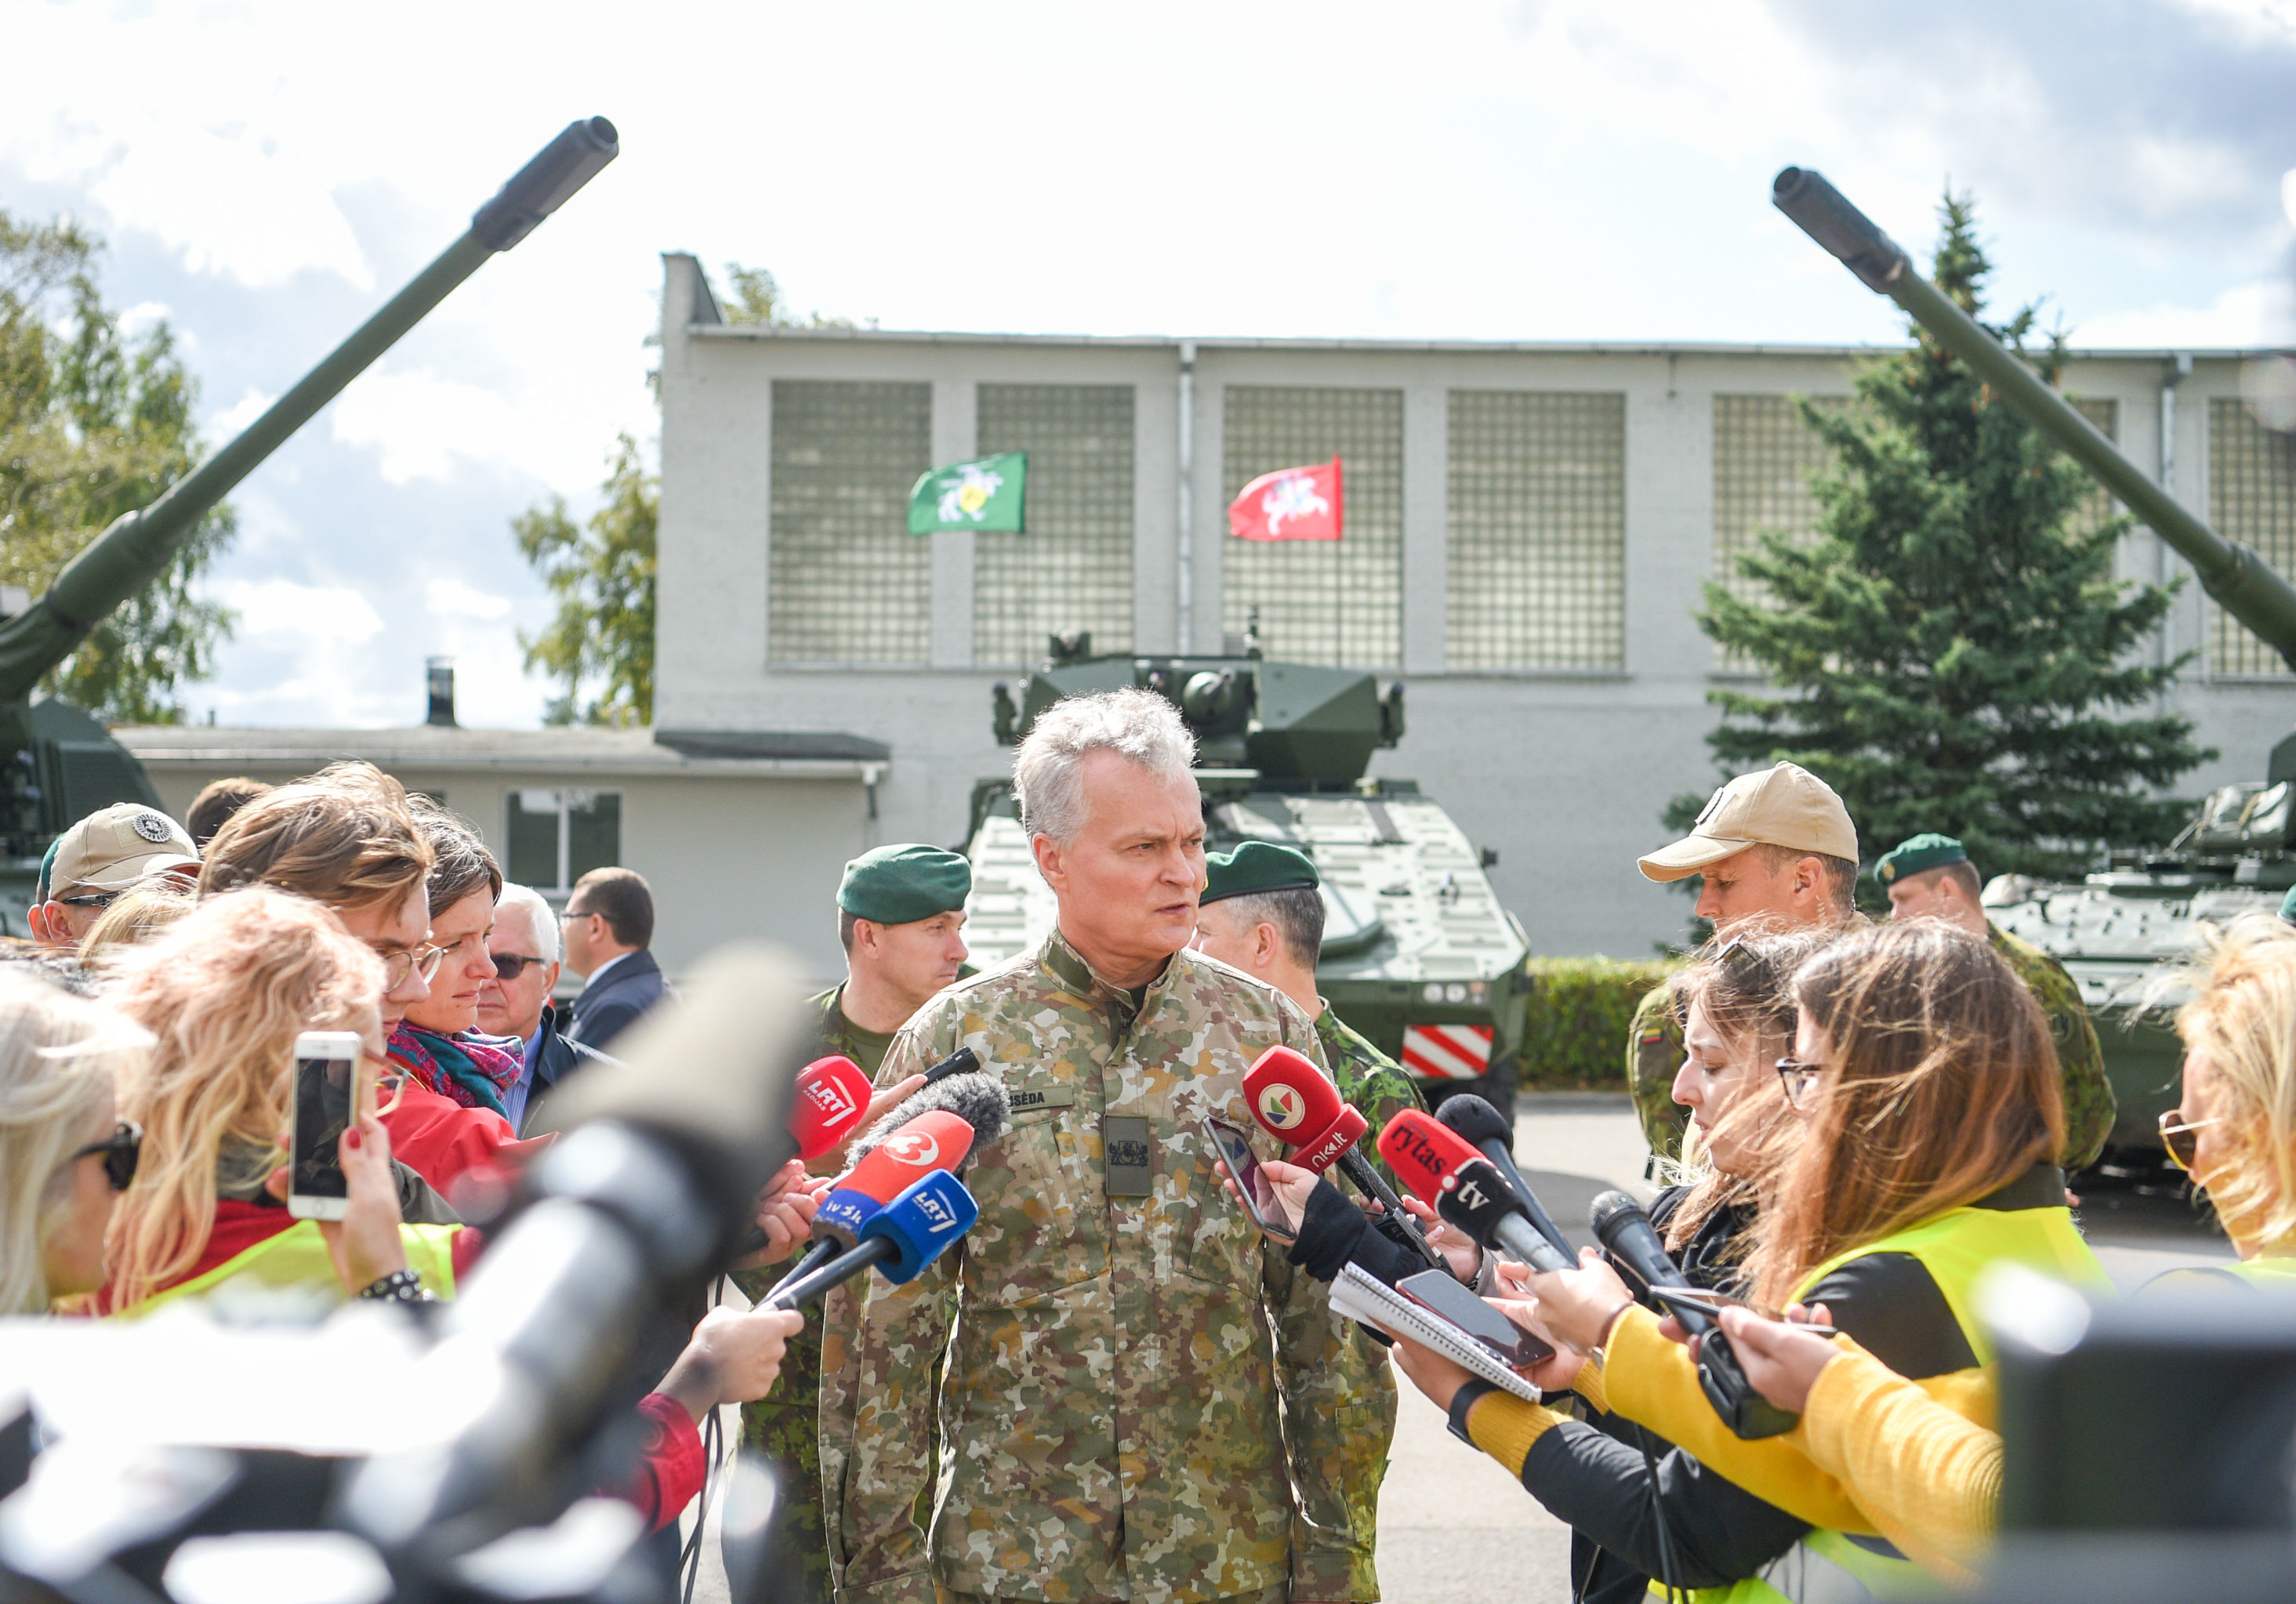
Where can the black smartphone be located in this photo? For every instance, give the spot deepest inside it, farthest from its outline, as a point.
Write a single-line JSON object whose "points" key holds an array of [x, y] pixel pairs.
{"points": [[1232, 1146], [1434, 1291], [325, 1085]]}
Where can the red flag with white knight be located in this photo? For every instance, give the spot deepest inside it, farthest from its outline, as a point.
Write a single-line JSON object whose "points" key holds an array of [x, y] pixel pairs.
{"points": [[1290, 503]]}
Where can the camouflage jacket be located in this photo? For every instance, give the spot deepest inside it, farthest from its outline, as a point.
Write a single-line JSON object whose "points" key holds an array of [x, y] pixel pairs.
{"points": [[839, 1034], [2089, 1103], [1368, 1078], [1135, 1384], [1654, 1052]]}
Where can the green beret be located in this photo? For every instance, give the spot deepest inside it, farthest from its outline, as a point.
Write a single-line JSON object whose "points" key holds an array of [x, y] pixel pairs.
{"points": [[47, 867], [1926, 851], [901, 885], [1256, 866], [2288, 906]]}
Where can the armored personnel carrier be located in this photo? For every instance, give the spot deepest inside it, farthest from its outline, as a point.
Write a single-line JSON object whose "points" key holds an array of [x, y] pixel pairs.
{"points": [[2115, 930], [57, 764], [1418, 954]]}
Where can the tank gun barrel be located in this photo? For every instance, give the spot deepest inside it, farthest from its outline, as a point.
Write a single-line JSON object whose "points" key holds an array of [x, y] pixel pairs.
{"points": [[2234, 573], [129, 555]]}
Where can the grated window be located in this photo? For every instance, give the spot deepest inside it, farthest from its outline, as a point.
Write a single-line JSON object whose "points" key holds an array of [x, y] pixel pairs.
{"points": [[2096, 508], [1537, 530], [2251, 497], [1072, 568], [1764, 455], [1337, 602], [849, 583]]}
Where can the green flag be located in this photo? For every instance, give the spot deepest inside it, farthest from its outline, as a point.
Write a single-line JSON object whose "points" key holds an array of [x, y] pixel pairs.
{"points": [[985, 494]]}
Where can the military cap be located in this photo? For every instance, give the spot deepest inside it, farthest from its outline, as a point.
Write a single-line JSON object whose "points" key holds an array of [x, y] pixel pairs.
{"points": [[1784, 805], [114, 847], [902, 883], [2288, 906], [1257, 865], [1926, 851]]}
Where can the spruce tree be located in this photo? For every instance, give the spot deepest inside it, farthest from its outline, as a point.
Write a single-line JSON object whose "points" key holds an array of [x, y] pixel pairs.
{"points": [[1951, 652]]}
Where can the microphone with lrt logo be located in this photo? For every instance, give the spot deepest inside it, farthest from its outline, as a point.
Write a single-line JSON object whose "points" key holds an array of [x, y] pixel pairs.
{"points": [[902, 1236], [1295, 1102]]}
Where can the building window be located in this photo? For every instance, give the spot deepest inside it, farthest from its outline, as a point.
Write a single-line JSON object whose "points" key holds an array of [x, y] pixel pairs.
{"points": [[2251, 497], [1073, 568], [1337, 602], [1537, 530], [849, 583], [558, 836], [1764, 455]]}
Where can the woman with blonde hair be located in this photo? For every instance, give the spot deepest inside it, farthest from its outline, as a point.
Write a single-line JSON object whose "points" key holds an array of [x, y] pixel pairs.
{"points": [[64, 1153], [224, 993], [136, 915]]}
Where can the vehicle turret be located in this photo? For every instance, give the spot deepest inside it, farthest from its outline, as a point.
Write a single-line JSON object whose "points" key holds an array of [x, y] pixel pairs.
{"points": [[48, 777]]}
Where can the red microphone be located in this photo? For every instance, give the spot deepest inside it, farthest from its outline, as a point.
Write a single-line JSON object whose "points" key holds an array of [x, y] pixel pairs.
{"points": [[1422, 1151], [833, 1094], [1296, 1103], [936, 1140]]}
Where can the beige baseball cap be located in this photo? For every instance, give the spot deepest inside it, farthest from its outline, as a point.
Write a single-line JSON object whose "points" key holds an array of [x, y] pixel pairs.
{"points": [[1785, 806], [114, 847]]}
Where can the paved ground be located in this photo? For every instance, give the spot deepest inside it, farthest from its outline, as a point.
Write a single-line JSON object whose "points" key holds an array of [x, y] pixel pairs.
{"points": [[1453, 1528]]}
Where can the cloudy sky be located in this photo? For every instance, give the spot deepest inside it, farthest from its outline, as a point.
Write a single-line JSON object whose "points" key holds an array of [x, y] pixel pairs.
{"points": [[267, 173]]}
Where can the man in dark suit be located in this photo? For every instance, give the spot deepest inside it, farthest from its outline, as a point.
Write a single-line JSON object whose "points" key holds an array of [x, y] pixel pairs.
{"points": [[517, 1004], [609, 926]]}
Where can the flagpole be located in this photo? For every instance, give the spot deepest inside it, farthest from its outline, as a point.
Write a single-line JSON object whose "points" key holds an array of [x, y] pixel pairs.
{"points": [[1187, 588]]}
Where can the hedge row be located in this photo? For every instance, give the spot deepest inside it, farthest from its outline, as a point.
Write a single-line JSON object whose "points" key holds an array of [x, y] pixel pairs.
{"points": [[1575, 1035]]}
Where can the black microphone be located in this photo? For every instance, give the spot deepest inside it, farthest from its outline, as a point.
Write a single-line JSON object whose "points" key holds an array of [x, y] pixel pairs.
{"points": [[1476, 1199], [1626, 1232], [980, 1099], [964, 1061], [1488, 1128]]}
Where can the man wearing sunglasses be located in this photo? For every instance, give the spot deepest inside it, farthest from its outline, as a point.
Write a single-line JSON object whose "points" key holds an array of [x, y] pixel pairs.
{"points": [[96, 859], [517, 1002]]}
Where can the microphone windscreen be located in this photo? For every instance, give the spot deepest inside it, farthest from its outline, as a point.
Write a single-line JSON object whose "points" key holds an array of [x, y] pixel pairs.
{"points": [[1290, 1097], [1476, 1120], [1421, 1153], [833, 1094], [978, 1098]]}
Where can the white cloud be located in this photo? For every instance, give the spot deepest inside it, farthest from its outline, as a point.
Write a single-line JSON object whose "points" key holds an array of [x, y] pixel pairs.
{"points": [[252, 405], [2244, 317], [450, 597], [421, 425], [316, 612], [141, 315]]}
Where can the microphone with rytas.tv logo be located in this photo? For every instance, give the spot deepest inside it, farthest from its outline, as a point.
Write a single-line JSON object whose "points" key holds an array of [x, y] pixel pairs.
{"points": [[936, 1140], [1464, 1187], [902, 1236], [1297, 1104], [1469, 1117]]}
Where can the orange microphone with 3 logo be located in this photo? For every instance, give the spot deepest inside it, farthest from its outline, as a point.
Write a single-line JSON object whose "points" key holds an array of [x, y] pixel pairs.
{"points": [[1296, 1103]]}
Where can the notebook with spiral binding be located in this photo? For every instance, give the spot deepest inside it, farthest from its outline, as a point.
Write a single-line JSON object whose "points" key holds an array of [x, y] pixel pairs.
{"points": [[1365, 1299]]}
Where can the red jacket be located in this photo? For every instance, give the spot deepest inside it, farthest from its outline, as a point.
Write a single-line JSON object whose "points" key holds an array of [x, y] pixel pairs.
{"points": [[441, 1141]]}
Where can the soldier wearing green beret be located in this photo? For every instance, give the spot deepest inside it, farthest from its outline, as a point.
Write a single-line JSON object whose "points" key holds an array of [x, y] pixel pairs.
{"points": [[1261, 912], [1930, 877], [900, 918]]}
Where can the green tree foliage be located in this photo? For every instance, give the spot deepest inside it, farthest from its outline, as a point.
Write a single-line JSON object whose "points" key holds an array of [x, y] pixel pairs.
{"points": [[1952, 651], [602, 576], [94, 425], [755, 296]]}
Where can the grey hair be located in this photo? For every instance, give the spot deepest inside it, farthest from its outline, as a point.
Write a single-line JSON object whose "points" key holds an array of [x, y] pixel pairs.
{"points": [[1297, 912], [1049, 770], [544, 921]]}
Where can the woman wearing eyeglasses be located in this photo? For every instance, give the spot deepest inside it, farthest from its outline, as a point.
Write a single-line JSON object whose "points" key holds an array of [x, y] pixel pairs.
{"points": [[65, 1154], [1927, 1083], [224, 993], [451, 1117]]}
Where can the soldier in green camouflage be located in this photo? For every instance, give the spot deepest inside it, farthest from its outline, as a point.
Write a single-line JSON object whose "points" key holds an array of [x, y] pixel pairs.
{"points": [[1777, 851], [900, 916], [1930, 877], [1139, 1399]]}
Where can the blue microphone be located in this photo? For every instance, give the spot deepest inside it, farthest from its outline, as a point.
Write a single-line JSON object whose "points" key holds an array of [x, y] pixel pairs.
{"points": [[902, 1237]]}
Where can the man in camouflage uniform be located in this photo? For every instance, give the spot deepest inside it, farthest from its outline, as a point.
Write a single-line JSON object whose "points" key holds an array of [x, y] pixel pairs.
{"points": [[900, 917], [1262, 913], [1139, 1399], [1777, 851], [1930, 877]]}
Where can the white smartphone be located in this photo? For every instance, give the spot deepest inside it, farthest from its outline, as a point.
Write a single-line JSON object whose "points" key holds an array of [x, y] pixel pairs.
{"points": [[326, 1089]]}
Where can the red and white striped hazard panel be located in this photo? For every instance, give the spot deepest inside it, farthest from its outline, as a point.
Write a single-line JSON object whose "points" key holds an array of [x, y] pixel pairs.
{"points": [[1447, 1052]]}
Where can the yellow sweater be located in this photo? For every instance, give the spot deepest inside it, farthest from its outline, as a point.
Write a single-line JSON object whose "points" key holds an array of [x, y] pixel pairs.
{"points": [[1875, 1455]]}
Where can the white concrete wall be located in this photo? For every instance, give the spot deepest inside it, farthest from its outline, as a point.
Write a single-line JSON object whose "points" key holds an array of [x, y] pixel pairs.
{"points": [[1565, 774], [729, 859]]}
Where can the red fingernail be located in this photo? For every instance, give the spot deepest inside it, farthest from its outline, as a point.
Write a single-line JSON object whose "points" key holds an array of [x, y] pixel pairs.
{"points": [[351, 1139]]}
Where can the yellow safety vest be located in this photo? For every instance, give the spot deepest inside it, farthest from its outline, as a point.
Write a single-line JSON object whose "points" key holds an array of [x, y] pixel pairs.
{"points": [[298, 1257], [1956, 1247], [2276, 1274]]}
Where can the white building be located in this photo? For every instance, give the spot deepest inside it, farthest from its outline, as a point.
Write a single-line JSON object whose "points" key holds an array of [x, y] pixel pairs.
{"points": [[1528, 530]]}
